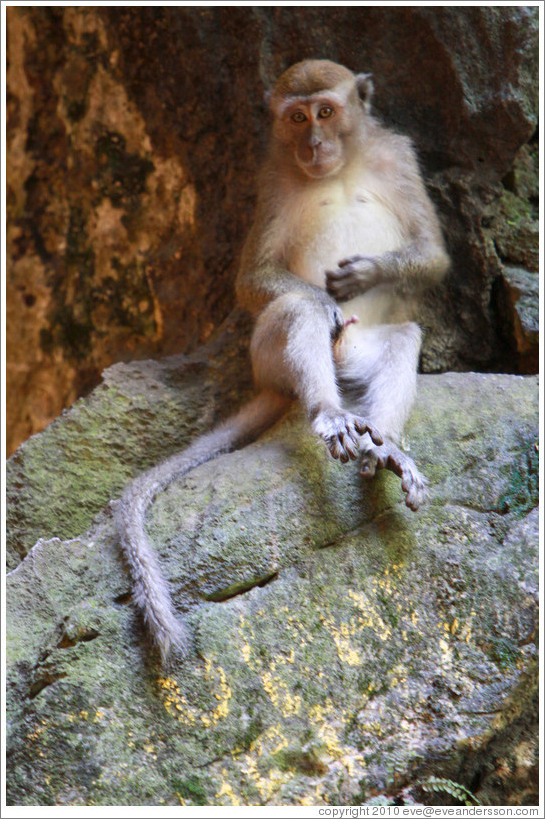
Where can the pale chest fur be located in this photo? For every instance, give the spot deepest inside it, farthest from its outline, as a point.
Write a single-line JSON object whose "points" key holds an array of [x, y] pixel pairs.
{"points": [[331, 222]]}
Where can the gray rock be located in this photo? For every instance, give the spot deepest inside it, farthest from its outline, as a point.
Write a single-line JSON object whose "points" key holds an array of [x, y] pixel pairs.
{"points": [[518, 303], [524, 288], [365, 647]]}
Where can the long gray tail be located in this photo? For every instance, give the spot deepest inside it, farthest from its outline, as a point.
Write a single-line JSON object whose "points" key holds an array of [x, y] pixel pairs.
{"points": [[150, 590]]}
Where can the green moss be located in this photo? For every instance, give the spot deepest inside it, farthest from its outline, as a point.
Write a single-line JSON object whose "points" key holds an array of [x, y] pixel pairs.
{"points": [[515, 209], [502, 652], [191, 789], [323, 677], [73, 465], [522, 493], [254, 729]]}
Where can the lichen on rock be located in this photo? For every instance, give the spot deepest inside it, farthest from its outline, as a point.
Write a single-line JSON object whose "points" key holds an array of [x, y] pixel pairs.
{"points": [[344, 647]]}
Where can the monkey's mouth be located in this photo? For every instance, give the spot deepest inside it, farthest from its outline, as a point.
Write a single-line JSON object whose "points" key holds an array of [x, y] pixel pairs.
{"points": [[319, 165]]}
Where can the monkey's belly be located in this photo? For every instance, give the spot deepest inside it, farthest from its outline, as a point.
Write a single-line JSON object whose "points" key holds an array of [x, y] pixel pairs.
{"points": [[332, 231]]}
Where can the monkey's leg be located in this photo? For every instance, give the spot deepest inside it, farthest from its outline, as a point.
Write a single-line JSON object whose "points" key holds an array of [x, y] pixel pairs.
{"points": [[292, 354], [383, 362]]}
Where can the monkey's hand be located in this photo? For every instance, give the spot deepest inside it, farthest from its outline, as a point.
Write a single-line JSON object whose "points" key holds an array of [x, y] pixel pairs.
{"points": [[341, 431], [353, 276]]}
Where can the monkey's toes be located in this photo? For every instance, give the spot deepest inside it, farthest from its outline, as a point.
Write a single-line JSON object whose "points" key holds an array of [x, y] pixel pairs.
{"points": [[368, 466], [342, 447], [362, 427], [415, 487], [341, 433]]}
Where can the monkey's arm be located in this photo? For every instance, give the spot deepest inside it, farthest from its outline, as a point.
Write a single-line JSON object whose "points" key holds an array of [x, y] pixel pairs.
{"points": [[262, 277], [412, 267]]}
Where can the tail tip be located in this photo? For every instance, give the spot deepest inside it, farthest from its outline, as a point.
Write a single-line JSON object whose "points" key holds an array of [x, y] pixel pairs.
{"points": [[174, 639]]}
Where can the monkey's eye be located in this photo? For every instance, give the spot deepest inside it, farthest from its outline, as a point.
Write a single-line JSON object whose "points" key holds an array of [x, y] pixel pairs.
{"points": [[298, 116], [325, 112]]}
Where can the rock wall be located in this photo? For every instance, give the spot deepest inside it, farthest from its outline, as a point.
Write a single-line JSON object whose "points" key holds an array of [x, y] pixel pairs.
{"points": [[134, 135]]}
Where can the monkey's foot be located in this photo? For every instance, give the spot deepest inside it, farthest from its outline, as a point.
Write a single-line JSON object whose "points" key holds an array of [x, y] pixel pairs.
{"points": [[341, 431], [389, 456]]}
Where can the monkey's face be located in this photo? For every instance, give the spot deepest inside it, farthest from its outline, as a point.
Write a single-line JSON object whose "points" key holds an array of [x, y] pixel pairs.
{"points": [[315, 130]]}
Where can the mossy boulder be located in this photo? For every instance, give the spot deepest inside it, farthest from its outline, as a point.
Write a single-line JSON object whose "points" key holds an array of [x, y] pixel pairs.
{"points": [[344, 648]]}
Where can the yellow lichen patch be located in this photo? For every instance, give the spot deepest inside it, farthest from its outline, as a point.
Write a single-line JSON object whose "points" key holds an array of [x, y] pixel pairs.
{"points": [[314, 797], [298, 631], [178, 706], [266, 785], [446, 654], [246, 651], [223, 695], [374, 728], [317, 713], [347, 653], [271, 741], [330, 725], [368, 617], [280, 694], [369, 614], [464, 632], [387, 583], [34, 735], [397, 676], [176, 703], [347, 755], [244, 628], [227, 790], [84, 715]]}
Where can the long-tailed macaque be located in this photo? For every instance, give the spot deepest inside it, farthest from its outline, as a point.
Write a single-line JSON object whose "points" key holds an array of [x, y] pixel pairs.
{"points": [[343, 240]]}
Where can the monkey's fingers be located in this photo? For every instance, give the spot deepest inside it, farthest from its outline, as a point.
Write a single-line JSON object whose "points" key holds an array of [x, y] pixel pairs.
{"points": [[350, 442], [341, 284], [342, 451], [354, 260], [364, 426], [336, 450], [339, 430]]}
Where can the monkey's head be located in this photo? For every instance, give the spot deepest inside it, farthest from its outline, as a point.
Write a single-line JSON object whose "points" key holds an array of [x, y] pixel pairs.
{"points": [[318, 107]]}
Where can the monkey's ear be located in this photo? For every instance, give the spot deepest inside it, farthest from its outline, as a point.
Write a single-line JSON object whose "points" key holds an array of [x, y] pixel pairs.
{"points": [[365, 87]]}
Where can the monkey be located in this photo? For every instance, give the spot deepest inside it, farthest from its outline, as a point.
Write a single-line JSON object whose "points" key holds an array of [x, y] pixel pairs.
{"points": [[344, 239]]}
